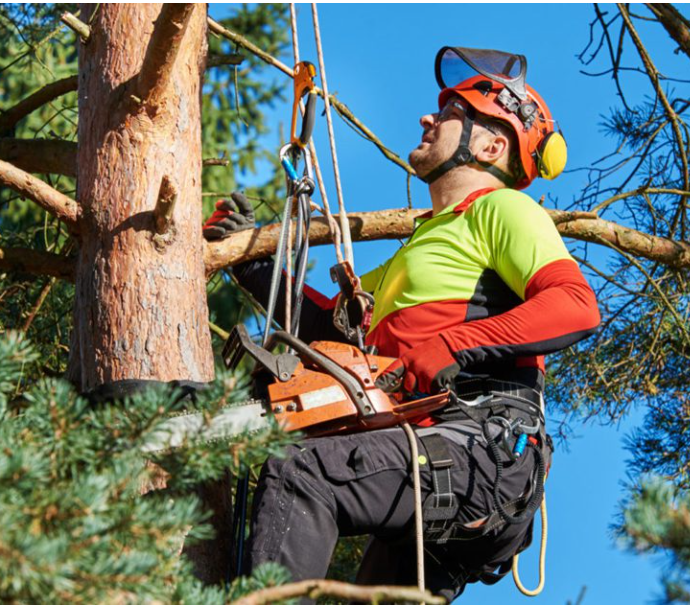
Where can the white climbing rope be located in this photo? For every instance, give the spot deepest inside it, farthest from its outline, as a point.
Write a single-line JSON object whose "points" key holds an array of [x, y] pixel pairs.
{"points": [[344, 223]]}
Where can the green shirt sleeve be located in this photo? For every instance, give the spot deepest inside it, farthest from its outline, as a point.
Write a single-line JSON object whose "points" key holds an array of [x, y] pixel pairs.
{"points": [[519, 235], [371, 279]]}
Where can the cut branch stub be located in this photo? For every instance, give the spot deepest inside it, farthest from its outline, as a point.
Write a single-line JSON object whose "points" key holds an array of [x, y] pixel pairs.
{"points": [[165, 206], [77, 26], [162, 51]]}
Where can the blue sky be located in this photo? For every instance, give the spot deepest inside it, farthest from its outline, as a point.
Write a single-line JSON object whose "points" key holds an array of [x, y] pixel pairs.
{"points": [[379, 61]]}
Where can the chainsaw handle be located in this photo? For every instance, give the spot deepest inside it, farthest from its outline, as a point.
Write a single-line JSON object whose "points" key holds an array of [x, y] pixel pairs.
{"points": [[356, 392]]}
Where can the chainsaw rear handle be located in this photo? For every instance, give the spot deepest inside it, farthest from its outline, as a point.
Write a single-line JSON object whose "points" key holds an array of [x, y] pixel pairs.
{"points": [[282, 366], [358, 394]]}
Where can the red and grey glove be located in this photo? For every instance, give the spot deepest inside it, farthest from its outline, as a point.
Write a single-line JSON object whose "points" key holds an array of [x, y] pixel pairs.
{"points": [[230, 216], [427, 368]]}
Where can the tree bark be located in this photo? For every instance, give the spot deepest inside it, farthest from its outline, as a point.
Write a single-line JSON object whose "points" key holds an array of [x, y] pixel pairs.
{"points": [[140, 306]]}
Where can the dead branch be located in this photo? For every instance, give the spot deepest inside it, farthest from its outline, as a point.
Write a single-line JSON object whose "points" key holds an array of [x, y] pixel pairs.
{"points": [[215, 162], [36, 262], [220, 60], [165, 206], [46, 94], [38, 304], [77, 26], [341, 108], [43, 156], [161, 52], [348, 592], [51, 200], [677, 26], [672, 253]]}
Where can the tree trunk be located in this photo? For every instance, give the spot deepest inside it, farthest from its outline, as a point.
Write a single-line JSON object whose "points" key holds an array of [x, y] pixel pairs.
{"points": [[140, 309]]}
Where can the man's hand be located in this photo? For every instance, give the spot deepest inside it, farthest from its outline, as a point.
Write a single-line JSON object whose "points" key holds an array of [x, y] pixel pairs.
{"points": [[427, 368], [230, 216]]}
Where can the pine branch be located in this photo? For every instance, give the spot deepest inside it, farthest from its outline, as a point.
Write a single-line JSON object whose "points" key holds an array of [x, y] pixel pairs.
{"points": [[162, 51], [46, 94], [36, 262], [51, 200], [348, 592], [43, 156]]}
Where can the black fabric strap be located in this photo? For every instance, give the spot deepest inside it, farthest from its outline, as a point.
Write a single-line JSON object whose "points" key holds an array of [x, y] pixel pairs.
{"points": [[462, 156], [441, 507]]}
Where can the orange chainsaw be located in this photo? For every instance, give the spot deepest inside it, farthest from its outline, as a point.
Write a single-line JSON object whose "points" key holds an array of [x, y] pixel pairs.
{"points": [[319, 389]]}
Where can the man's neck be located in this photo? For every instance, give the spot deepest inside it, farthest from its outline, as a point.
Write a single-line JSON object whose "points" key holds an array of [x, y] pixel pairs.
{"points": [[446, 192]]}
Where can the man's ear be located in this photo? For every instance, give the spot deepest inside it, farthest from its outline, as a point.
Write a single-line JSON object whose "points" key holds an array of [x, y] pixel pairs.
{"points": [[492, 148]]}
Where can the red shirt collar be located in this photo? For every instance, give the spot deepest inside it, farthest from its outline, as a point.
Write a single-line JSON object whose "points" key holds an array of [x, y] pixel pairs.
{"points": [[460, 207]]}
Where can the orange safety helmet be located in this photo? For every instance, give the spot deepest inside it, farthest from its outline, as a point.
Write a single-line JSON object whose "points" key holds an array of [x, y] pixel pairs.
{"points": [[493, 84]]}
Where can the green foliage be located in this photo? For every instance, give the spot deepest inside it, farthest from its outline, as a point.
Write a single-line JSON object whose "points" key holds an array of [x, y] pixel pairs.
{"points": [[656, 519], [641, 354], [74, 526]]}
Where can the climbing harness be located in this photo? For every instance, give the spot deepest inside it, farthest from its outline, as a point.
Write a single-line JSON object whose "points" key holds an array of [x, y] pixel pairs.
{"points": [[511, 419]]}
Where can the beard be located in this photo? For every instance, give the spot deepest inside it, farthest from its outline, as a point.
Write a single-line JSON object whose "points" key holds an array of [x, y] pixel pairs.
{"points": [[424, 159]]}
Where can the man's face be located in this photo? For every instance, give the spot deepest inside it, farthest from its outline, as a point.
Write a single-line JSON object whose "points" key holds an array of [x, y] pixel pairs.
{"points": [[440, 137]]}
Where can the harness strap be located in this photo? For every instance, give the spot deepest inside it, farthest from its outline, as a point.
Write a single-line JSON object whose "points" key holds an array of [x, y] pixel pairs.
{"points": [[441, 507]]}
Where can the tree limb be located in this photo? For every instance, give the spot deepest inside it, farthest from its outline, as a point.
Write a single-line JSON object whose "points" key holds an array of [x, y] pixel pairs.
{"points": [[51, 200], [162, 51], [677, 26], [260, 243], [398, 224], [672, 253], [42, 96], [36, 262], [43, 156], [348, 592]]}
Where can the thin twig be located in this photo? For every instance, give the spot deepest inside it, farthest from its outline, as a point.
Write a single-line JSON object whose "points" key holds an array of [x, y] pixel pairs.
{"points": [[215, 162], [654, 77], [39, 302], [342, 109]]}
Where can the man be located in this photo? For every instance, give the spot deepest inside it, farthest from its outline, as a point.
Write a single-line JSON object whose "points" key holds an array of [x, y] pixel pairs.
{"points": [[481, 291]]}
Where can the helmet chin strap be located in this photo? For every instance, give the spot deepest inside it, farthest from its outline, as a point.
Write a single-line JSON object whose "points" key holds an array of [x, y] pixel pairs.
{"points": [[463, 156]]}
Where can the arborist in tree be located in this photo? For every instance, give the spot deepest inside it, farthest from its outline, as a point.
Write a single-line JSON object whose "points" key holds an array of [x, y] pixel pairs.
{"points": [[482, 290]]}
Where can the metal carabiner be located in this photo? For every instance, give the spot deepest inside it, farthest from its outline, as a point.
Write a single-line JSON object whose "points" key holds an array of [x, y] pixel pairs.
{"points": [[304, 74]]}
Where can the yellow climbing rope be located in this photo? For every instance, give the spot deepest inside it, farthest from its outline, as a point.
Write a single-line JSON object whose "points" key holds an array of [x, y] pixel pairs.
{"points": [[542, 558]]}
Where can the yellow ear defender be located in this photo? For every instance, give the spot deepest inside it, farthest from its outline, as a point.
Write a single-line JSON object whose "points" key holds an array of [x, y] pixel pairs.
{"points": [[552, 156]]}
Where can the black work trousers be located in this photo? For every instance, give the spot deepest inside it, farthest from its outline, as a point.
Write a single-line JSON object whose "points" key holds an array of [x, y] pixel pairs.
{"points": [[361, 484]]}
